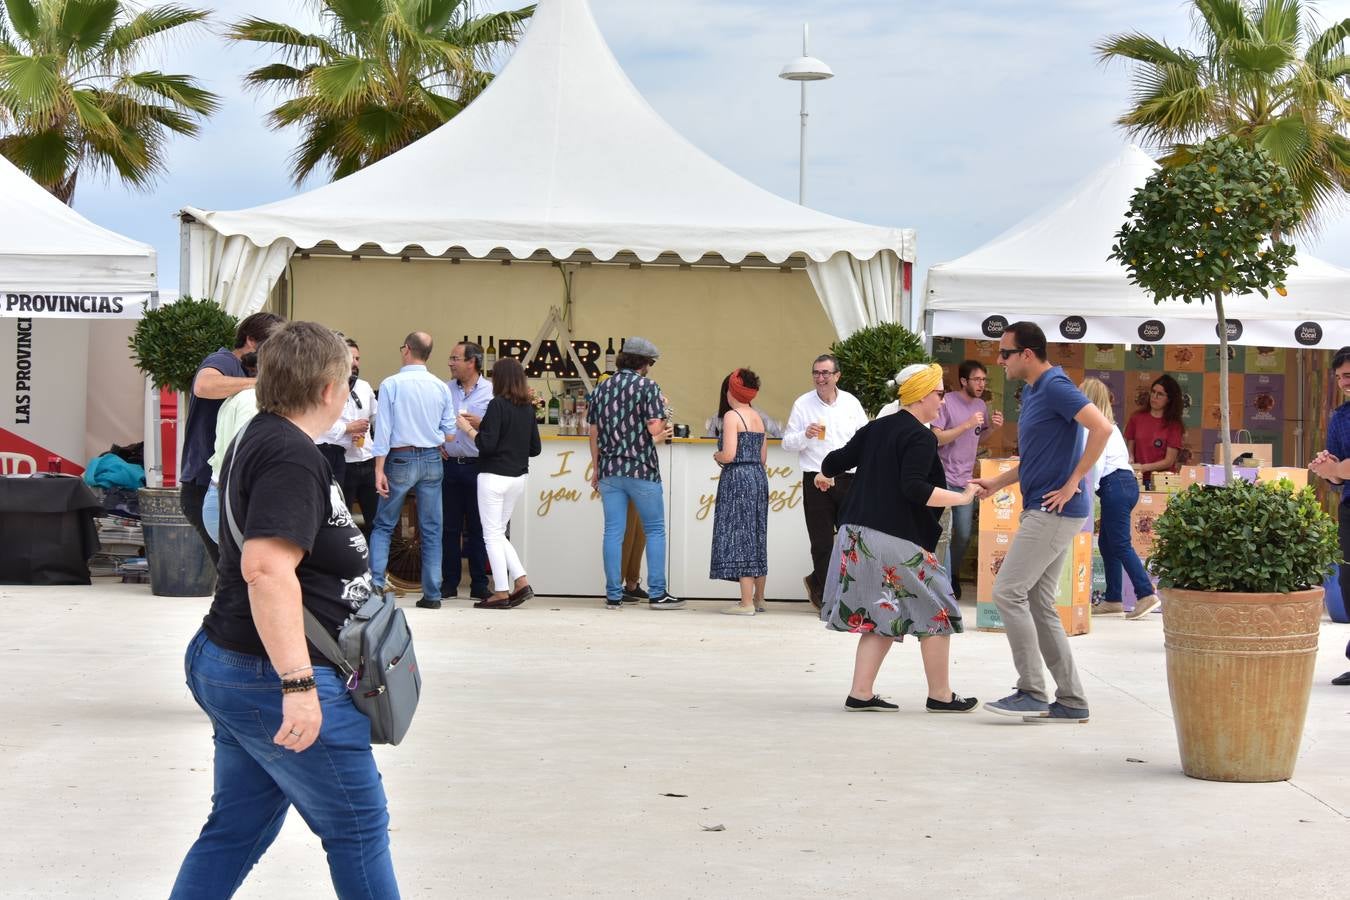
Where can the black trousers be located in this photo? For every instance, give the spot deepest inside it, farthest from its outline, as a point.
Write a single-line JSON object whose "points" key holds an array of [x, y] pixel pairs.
{"points": [[337, 461], [1344, 516], [822, 509], [359, 488], [190, 498]]}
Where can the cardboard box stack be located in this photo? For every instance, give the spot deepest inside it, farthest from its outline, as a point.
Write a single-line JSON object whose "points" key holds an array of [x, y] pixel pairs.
{"points": [[999, 517]]}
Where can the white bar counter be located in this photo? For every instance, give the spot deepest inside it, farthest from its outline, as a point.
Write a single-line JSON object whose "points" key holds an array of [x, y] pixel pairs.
{"points": [[558, 527]]}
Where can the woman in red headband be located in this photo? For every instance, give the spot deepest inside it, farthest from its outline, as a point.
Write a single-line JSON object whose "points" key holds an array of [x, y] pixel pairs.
{"points": [[741, 517]]}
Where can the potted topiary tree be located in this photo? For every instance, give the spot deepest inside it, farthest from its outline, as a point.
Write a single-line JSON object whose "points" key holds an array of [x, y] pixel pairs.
{"points": [[870, 357], [1210, 228], [168, 345], [1240, 570]]}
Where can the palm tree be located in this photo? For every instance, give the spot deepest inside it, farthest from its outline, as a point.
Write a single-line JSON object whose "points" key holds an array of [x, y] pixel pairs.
{"points": [[1252, 80], [71, 100], [385, 73]]}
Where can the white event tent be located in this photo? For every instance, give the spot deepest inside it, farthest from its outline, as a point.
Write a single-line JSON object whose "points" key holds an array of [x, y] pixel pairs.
{"points": [[561, 156], [70, 292], [1052, 269], [56, 263]]}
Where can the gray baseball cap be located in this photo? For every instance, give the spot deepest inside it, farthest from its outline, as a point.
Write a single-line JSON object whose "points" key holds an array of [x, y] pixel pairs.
{"points": [[640, 346]]}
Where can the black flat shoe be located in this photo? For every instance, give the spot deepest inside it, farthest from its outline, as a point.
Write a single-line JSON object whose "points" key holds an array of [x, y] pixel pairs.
{"points": [[957, 704], [876, 704], [1342, 679]]}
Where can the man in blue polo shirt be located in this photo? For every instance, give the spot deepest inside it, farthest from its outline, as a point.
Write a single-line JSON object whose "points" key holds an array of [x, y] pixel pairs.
{"points": [[1333, 464], [1055, 505]]}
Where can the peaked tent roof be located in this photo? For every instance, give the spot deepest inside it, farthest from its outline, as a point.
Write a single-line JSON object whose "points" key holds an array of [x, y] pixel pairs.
{"points": [[48, 249], [560, 153], [1052, 268]]}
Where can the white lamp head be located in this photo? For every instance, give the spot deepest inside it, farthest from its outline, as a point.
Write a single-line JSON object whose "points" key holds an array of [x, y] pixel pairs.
{"points": [[806, 68]]}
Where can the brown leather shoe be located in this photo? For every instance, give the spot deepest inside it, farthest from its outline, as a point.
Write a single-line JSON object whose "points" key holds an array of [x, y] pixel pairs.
{"points": [[493, 604], [519, 597], [816, 597]]}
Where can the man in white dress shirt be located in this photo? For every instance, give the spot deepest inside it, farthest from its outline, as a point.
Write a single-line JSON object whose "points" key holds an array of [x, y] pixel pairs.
{"points": [[822, 420]]}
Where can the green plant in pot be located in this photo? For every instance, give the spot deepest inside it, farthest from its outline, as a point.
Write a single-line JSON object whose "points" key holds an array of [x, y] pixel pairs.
{"points": [[870, 357], [1240, 570], [168, 345]]}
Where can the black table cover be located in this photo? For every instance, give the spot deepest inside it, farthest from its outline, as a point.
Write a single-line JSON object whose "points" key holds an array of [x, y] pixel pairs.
{"points": [[47, 531]]}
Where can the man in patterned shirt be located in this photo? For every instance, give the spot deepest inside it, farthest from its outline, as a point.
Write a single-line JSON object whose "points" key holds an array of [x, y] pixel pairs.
{"points": [[627, 416], [1333, 464]]}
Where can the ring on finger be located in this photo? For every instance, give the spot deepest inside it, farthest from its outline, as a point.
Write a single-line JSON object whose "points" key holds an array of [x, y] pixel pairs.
{"points": [[294, 732]]}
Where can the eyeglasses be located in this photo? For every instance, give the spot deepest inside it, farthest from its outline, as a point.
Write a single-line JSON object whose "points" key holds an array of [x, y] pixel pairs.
{"points": [[1005, 354], [817, 373]]}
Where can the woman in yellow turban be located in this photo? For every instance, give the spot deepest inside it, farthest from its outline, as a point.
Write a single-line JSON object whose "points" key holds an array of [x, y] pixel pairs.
{"points": [[887, 582]]}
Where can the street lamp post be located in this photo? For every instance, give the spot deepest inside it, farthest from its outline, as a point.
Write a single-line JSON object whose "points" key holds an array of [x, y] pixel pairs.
{"points": [[803, 69]]}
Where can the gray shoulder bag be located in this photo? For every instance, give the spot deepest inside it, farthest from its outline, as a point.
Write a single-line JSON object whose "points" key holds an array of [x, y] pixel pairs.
{"points": [[374, 649]]}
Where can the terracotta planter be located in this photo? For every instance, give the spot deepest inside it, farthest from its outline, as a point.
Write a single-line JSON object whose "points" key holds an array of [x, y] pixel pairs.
{"points": [[1239, 670]]}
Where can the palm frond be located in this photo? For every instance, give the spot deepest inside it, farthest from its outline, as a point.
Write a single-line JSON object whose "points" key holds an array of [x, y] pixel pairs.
{"points": [[1328, 43], [1277, 21], [83, 25], [343, 83], [277, 76], [26, 18], [293, 44], [125, 39], [178, 89], [89, 112], [31, 87], [45, 155], [1224, 21], [1259, 57]]}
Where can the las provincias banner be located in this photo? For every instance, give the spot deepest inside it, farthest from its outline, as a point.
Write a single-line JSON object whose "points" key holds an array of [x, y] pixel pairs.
{"points": [[20, 302], [44, 388]]}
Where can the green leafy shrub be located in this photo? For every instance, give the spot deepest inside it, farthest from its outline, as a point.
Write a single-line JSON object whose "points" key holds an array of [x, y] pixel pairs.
{"points": [[1244, 538], [169, 343], [870, 357]]}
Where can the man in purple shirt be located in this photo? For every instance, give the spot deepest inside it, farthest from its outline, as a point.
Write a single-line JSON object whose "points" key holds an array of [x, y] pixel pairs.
{"points": [[963, 423]]}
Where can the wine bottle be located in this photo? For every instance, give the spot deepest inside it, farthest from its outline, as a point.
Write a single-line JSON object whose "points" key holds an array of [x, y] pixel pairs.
{"points": [[554, 410], [491, 352], [466, 339], [479, 342], [609, 357]]}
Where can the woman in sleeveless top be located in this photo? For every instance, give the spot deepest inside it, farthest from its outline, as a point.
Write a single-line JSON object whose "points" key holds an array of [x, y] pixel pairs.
{"points": [[741, 516]]}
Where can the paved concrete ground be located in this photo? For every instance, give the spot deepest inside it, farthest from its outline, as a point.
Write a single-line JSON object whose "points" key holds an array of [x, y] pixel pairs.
{"points": [[549, 737]]}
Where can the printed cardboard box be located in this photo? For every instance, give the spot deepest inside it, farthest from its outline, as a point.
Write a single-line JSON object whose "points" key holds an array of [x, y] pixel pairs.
{"points": [[1002, 511], [994, 546], [1298, 477], [1145, 513]]}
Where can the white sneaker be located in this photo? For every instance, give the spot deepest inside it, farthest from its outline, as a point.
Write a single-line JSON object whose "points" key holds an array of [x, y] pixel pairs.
{"points": [[1143, 606]]}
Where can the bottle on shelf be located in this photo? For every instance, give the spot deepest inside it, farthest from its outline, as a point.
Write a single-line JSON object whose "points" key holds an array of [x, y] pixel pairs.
{"points": [[491, 352], [479, 342], [466, 339], [554, 410], [609, 357]]}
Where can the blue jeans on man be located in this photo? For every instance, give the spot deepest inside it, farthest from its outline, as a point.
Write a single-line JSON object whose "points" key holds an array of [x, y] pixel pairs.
{"points": [[411, 470], [463, 528], [1119, 493], [615, 493], [334, 783], [963, 520]]}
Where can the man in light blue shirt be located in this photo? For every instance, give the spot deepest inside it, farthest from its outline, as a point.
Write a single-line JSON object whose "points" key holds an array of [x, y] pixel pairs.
{"points": [[416, 417], [471, 393]]}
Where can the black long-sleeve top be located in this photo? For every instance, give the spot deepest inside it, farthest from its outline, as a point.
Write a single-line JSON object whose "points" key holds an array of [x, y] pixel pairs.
{"points": [[507, 437], [898, 468]]}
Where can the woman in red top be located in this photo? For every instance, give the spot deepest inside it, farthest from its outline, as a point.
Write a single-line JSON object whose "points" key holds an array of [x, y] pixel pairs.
{"points": [[1153, 434]]}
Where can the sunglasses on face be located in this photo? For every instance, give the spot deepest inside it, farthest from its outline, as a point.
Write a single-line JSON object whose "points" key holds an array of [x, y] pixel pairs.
{"points": [[1005, 354]]}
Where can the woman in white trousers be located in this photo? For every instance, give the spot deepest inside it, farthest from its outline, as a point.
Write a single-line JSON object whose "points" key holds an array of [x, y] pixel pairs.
{"points": [[506, 438]]}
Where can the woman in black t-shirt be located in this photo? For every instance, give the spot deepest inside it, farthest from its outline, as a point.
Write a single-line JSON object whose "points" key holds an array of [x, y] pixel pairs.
{"points": [[286, 730], [506, 439], [887, 582]]}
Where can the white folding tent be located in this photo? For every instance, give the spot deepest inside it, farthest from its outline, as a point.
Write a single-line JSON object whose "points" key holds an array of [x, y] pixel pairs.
{"points": [[1052, 269], [70, 291], [561, 156], [55, 263]]}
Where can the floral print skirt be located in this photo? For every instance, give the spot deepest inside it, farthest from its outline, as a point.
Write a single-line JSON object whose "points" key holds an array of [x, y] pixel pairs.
{"points": [[882, 584]]}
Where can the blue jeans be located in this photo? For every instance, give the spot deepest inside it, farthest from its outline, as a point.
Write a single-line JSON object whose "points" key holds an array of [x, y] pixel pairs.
{"points": [[211, 513], [463, 528], [420, 471], [963, 519], [334, 784], [1119, 493], [615, 492]]}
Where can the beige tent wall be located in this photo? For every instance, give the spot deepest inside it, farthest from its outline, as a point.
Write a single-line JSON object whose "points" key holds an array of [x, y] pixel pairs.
{"points": [[706, 321], [115, 391]]}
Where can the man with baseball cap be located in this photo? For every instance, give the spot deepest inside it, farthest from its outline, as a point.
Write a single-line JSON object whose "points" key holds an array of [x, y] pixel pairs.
{"points": [[627, 415]]}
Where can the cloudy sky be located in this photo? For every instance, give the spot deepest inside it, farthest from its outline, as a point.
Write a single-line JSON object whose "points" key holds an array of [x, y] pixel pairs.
{"points": [[956, 118]]}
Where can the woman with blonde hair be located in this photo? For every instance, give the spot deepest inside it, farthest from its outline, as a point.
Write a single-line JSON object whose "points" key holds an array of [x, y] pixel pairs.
{"points": [[1114, 483], [887, 582]]}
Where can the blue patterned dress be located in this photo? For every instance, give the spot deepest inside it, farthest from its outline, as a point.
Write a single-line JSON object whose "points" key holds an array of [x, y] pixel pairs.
{"points": [[740, 544]]}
